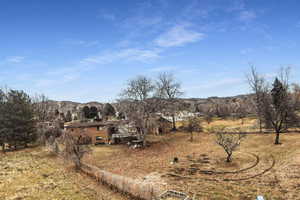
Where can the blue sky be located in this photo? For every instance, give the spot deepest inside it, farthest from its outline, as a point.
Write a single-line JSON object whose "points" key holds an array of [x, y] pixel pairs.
{"points": [[87, 50]]}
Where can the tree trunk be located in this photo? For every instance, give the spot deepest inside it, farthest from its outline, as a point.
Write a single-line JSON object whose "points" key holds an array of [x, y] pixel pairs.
{"points": [[191, 138], [260, 126], [228, 158], [174, 122], [277, 137], [77, 163], [145, 131]]}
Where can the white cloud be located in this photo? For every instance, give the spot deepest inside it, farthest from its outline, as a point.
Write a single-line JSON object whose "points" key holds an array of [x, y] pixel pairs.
{"points": [[84, 43], [130, 54], [247, 15], [15, 59], [108, 16], [246, 51], [54, 81], [163, 69], [178, 35]]}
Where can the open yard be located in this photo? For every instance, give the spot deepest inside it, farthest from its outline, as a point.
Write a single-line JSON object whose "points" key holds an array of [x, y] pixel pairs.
{"points": [[33, 174], [258, 168]]}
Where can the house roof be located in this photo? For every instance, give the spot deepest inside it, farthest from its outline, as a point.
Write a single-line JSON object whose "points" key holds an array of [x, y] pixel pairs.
{"points": [[90, 124]]}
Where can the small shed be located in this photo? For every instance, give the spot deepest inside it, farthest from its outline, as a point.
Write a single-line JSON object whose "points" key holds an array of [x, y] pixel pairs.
{"points": [[159, 125]]}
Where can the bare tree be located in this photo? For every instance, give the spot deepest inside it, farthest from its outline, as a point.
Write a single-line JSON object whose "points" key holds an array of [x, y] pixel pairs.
{"points": [[241, 112], [193, 124], [42, 108], [73, 150], [229, 142], [208, 117], [275, 106], [3, 131], [296, 96], [169, 89], [259, 87], [139, 103]]}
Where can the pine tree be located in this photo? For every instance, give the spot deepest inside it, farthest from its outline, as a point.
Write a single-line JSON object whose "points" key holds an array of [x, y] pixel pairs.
{"points": [[17, 119], [68, 116], [280, 107]]}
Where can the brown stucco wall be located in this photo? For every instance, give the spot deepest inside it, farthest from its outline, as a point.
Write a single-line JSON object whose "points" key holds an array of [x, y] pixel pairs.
{"points": [[91, 132]]}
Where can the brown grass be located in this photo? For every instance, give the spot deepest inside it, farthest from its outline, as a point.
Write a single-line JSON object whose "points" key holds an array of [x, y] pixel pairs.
{"points": [[32, 174], [279, 182]]}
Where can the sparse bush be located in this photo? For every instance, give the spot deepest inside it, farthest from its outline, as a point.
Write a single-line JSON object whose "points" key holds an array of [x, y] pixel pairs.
{"points": [[229, 141], [72, 149], [193, 124]]}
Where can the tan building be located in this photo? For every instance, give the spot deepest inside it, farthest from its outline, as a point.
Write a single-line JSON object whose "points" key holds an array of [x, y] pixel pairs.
{"points": [[92, 132]]}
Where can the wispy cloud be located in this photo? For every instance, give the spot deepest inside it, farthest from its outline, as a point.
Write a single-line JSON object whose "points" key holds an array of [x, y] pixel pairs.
{"points": [[129, 54], [15, 59], [163, 69], [107, 16], [247, 15], [84, 43], [178, 35], [236, 5], [246, 51], [59, 77]]}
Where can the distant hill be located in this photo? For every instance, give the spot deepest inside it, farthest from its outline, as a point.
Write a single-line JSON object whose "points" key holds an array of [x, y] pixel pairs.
{"points": [[65, 106], [190, 104]]}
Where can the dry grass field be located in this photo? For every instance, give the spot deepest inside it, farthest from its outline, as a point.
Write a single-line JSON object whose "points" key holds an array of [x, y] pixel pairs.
{"points": [[33, 174], [258, 168]]}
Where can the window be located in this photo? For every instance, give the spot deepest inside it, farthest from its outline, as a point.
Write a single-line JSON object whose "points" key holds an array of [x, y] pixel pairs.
{"points": [[99, 128], [99, 138]]}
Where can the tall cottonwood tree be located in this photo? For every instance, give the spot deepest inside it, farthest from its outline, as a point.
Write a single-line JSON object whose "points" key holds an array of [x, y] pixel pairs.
{"points": [[169, 89], [259, 87], [138, 103]]}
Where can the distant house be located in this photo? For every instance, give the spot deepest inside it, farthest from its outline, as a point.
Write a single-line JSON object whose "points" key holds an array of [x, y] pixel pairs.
{"points": [[101, 132], [159, 125], [96, 132]]}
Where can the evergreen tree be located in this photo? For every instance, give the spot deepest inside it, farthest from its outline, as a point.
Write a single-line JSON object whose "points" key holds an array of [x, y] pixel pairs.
{"points": [[109, 110], [17, 119], [93, 112], [280, 107], [86, 112], [68, 116]]}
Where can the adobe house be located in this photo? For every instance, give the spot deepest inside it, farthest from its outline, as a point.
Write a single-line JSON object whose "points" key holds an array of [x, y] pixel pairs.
{"points": [[92, 132], [159, 125]]}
